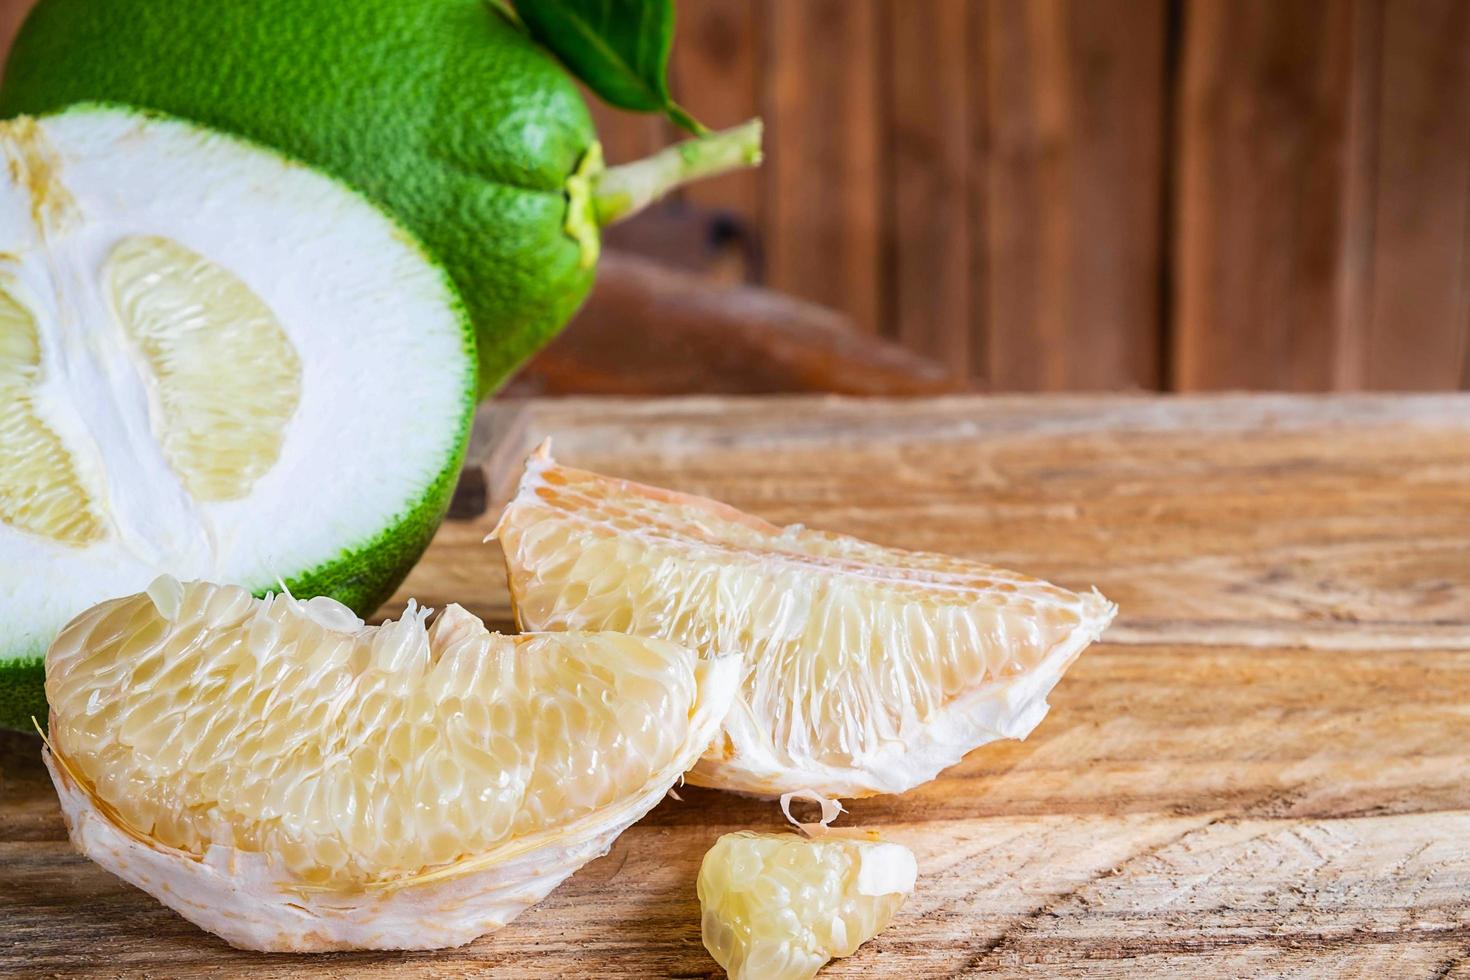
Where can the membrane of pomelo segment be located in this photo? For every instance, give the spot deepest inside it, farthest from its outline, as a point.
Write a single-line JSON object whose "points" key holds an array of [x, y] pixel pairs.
{"points": [[360, 761], [780, 906], [214, 363], [867, 669]]}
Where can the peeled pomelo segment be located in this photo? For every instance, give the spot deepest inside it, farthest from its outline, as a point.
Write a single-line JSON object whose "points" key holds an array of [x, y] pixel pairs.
{"points": [[225, 375], [781, 906], [867, 669], [215, 363], [40, 492], [289, 778]]}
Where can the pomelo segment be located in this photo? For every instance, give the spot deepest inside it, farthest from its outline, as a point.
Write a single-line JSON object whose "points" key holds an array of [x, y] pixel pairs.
{"points": [[781, 906], [226, 376], [40, 492], [214, 363], [291, 779], [867, 669]]}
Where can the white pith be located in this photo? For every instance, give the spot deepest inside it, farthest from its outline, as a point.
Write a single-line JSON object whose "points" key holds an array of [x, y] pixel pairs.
{"points": [[384, 373]]}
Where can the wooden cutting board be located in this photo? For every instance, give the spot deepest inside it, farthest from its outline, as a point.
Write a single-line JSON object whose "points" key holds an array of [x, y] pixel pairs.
{"points": [[1262, 772]]}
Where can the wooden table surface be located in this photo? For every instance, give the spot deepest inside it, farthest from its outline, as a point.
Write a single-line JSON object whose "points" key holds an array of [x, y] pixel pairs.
{"points": [[1261, 772]]}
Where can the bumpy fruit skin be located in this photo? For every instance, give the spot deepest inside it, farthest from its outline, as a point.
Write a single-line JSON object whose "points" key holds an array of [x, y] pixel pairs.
{"points": [[22, 691], [440, 111]]}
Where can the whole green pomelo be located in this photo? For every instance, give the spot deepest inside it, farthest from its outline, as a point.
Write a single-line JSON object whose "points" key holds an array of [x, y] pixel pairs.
{"points": [[439, 110]]}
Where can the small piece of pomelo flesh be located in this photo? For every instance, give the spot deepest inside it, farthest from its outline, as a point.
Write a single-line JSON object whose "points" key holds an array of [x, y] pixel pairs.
{"points": [[780, 906]]}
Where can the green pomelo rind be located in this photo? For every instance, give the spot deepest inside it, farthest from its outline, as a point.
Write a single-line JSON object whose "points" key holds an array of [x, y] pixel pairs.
{"points": [[23, 691], [440, 112], [363, 574]]}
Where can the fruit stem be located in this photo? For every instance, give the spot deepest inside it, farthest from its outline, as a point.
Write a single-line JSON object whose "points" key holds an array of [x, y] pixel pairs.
{"points": [[630, 187]]}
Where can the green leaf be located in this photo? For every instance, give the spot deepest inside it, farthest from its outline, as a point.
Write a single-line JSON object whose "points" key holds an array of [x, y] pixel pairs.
{"points": [[503, 9], [620, 48]]}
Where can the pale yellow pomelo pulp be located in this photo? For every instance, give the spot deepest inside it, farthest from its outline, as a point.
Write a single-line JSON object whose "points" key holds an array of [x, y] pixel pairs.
{"points": [[866, 669], [780, 906], [291, 779]]}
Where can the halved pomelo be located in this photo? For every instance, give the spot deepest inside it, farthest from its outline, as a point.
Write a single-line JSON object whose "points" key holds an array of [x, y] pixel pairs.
{"points": [[867, 669], [290, 779], [780, 906], [214, 362]]}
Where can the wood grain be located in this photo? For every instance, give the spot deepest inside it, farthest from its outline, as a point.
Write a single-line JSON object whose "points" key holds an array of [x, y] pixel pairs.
{"points": [[928, 177], [1272, 519], [1260, 774], [1263, 126], [824, 206], [1074, 117], [1417, 316]]}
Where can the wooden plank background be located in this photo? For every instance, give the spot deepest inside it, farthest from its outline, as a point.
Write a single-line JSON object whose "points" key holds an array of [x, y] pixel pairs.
{"points": [[1259, 773], [1091, 194], [1102, 194]]}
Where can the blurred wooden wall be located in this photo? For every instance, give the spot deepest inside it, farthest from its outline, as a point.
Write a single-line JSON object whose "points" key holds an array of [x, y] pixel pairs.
{"points": [[1065, 194], [1088, 194]]}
